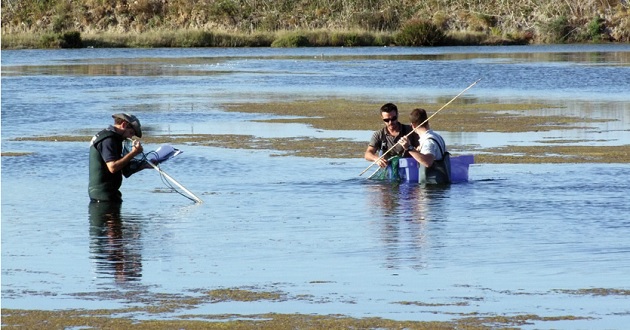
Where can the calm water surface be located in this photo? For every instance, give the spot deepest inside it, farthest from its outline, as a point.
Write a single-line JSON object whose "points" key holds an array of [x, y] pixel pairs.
{"points": [[516, 239]]}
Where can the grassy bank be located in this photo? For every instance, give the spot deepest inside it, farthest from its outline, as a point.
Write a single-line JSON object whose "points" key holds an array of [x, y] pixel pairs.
{"points": [[282, 23], [200, 38]]}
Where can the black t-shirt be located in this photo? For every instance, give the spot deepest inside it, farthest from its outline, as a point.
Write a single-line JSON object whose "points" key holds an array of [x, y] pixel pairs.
{"points": [[383, 141]]}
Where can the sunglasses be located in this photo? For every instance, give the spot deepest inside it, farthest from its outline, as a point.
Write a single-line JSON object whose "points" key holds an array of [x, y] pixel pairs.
{"points": [[387, 120]]}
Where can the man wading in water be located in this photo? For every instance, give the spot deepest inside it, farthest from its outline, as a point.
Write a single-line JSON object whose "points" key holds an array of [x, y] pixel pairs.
{"points": [[431, 153], [109, 160], [389, 136]]}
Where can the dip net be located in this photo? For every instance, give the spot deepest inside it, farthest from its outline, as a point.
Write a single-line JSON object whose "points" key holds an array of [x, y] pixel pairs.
{"points": [[389, 173]]}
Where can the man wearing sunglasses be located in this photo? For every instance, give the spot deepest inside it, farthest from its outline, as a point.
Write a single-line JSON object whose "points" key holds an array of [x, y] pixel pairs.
{"points": [[108, 158], [389, 136]]}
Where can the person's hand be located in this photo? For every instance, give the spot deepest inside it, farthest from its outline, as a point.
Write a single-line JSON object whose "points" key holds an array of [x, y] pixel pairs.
{"points": [[137, 147], [382, 162], [404, 142]]}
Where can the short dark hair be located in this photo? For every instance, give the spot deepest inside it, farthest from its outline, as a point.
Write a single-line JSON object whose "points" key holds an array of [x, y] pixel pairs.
{"points": [[389, 107], [419, 116]]}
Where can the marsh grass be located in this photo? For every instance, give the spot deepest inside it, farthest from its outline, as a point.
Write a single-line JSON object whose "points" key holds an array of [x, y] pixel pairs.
{"points": [[177, 38], [551, 154], [243, 23], [16, 154]]}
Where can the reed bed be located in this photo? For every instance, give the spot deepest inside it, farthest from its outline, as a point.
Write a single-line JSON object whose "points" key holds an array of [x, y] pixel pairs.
{"points": [[281, 23]]}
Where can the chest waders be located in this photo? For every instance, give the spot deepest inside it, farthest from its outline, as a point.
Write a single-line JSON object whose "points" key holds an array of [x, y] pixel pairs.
{"points": [[440, 170], [103, 185]]}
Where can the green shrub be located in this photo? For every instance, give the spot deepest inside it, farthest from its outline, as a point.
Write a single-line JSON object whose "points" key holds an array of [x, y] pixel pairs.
{"points": [[261, 39], [351, 39], [319, 38], [196, 39], [595, 28], [420, 33], [49, 40], [382, 39], [291, 40], [69, 39]]}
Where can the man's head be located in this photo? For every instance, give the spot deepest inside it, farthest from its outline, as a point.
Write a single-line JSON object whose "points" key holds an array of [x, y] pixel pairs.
{"points": [[389, 114], [128, 122], [419, 116]]}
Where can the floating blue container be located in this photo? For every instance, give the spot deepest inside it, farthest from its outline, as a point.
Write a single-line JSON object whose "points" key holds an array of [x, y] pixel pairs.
{"points": [[410, 171], [459, 167]]}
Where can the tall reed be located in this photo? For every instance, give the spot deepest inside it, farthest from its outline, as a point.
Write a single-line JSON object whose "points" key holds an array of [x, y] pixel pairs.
{"points": [[232, 21]]}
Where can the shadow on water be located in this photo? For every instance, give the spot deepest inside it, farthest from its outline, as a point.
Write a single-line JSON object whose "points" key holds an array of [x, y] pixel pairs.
{"points": [[115, 243]]}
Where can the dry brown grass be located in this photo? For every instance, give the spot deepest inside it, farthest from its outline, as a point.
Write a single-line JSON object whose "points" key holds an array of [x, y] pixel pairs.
{"points": [[482, 22]]}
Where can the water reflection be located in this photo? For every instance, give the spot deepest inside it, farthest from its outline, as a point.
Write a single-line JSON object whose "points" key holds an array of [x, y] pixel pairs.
{"points": [[115, 69], [114, 243], [407, 201], [408, 212]]}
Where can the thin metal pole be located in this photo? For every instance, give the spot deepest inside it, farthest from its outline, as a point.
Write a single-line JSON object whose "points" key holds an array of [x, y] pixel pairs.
{"points": [[197, 199], [412, 131], [170, 178]]}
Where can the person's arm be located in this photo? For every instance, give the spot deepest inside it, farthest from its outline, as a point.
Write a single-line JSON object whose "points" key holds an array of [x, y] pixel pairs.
{"points": [[425, 159], [117, 165], [371, 154]]}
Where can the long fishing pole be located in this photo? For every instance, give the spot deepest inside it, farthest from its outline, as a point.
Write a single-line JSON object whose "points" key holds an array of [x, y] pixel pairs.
{"points": [[426, 120]]}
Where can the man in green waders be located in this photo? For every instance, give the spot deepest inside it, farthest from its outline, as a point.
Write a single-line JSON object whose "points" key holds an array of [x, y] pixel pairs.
{"points": [[109, 161]]}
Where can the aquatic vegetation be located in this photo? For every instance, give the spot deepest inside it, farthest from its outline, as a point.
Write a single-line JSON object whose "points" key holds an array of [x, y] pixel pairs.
{"points": [[418, 303], [597, 292], [16, 154], [157, 303], [553, 154], [343, 114], [235, 294]]}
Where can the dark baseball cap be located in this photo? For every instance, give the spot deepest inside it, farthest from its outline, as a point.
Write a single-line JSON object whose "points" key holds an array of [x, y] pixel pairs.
{"points": [[131, 119]]}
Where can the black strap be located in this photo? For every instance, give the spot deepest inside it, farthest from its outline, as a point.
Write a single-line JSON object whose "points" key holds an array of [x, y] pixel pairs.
{"points": [[102, 135], [439, 146]]}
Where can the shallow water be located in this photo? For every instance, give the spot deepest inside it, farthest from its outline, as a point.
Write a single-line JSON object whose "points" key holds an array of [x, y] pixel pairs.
{"points": [[516, 239]]}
